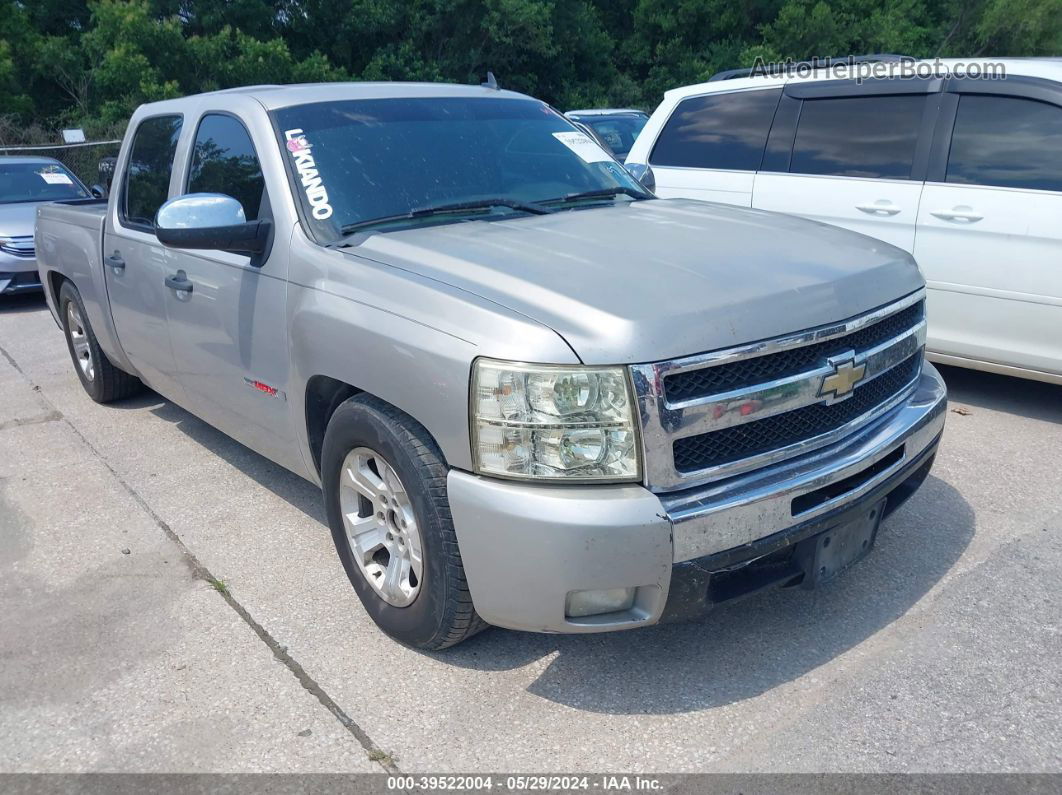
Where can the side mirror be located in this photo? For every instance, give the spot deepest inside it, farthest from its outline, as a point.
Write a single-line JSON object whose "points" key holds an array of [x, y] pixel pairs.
{"points": [[210, 221], [98, 192], [644, 174]]}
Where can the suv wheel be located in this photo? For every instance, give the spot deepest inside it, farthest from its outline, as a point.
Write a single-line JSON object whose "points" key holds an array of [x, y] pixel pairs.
{"points": [[385, 496], [102, 380]]}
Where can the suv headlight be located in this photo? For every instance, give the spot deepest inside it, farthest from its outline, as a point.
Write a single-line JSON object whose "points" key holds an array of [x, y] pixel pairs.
{"points": [[562, 422]]}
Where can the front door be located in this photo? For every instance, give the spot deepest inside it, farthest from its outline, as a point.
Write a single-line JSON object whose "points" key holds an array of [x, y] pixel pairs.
{"points": [[229, 330], [134, 262]]}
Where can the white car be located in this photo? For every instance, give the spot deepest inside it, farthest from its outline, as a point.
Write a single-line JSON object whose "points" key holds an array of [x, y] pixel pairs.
{"points": [[964, 173]]}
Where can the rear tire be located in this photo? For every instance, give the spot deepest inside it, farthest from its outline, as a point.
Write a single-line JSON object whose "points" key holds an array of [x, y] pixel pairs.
{"points": [[102, 380], [385, 493]]}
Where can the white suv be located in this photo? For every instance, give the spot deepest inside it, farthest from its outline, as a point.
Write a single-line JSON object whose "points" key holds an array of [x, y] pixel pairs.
{"points": [[964, 173]]}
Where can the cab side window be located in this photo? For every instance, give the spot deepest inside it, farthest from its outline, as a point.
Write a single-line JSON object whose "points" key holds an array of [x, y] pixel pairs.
{"points": [[147, 174], [1008, 142], [871, 137], [718, 131], [224, 161]]}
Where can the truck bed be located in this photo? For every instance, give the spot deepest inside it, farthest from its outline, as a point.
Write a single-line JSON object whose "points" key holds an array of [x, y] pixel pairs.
{"points": [[87, 213]]}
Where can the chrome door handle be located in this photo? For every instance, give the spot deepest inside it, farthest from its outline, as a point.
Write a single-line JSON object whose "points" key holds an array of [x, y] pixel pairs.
{"points": [[179, 282], [957, 215], [115, 261], [878, 209]]}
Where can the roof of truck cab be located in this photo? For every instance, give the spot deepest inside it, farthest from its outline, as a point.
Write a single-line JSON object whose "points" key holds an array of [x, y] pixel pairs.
{"points": [[273, 97]]}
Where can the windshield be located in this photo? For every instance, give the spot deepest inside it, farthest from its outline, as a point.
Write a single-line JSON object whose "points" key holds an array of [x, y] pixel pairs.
{"points": [[362, 160], [619, 132], [38, 182]]}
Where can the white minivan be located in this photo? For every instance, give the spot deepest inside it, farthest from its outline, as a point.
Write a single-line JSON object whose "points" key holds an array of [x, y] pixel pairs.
{"points": [[965, 173]]}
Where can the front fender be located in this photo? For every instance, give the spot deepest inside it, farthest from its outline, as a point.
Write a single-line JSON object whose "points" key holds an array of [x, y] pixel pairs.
{"points": [[404, 338]]}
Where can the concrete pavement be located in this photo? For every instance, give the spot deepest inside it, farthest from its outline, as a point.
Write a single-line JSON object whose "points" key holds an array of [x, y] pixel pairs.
{"points": [[942, 651]]}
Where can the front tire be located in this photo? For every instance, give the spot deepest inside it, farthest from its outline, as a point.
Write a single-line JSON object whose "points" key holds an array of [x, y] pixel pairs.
{"points": [[385, 496], [102, 381]]}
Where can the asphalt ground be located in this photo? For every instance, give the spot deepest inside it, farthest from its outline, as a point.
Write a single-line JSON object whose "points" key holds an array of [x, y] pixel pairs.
{"points": [[172, 602]]}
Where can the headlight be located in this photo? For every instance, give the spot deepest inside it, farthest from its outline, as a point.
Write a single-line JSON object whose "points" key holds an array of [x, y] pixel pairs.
{"points": [[569, 423]]}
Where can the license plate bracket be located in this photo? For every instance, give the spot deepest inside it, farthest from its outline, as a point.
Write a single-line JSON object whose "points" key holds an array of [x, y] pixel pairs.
{"points": [[829, 554]]}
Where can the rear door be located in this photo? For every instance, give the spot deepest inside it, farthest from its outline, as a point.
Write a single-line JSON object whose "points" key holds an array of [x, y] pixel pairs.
{"points": [[990, 226], [711, 146], [229, 331], [133, 259], [851, 155]]}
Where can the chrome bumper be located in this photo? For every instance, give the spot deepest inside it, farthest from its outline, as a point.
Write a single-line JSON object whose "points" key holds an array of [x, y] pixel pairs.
{"points": [[750, 507]]}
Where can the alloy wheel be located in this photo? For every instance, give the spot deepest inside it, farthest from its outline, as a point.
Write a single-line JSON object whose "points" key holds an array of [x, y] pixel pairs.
{"points": [[80, 341], [381, 527]]}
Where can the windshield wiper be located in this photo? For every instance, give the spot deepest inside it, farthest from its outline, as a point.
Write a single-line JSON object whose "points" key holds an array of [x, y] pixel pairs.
{"points": [[443, 209], [604, 193]]}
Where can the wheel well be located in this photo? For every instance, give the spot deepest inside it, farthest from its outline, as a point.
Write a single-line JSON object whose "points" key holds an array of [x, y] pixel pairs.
{"points": [[55, 284], [323, 397]]}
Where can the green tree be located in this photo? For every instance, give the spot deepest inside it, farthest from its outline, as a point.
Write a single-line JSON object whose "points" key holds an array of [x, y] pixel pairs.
{"points": [[91, 62]]}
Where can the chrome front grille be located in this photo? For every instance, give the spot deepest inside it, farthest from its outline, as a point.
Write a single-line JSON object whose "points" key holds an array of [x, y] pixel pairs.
{"points": [[718, 414], [693, 384], [21, 247], [782, 430]]}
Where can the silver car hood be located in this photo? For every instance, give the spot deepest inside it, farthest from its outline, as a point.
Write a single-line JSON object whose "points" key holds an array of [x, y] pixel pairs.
{"points": [[17, 219], [650, 280]]}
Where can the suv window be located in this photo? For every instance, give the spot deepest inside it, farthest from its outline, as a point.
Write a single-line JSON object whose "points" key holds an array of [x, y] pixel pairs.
{"points": [[224, 161], [718, 131], [871, 137], [147, 175], [1006, 141]]}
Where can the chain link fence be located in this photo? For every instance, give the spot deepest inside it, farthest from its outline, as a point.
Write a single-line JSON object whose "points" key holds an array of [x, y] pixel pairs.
{"points": [[83, 159]]}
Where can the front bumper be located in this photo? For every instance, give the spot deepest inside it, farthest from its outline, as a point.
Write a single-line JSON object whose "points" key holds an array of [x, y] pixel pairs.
{"points": [[22, 282], [526, 547], [18, 274]]}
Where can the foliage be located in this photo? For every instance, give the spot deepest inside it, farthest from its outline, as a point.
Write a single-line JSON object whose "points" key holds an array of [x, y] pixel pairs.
{"points": [[90, 62]]}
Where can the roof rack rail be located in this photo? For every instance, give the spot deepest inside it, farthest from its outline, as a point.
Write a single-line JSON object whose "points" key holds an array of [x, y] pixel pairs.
{"points": [[775, 70]]}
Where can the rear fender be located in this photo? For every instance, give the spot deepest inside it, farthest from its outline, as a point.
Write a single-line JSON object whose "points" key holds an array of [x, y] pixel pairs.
{"points": [[69, 242]]}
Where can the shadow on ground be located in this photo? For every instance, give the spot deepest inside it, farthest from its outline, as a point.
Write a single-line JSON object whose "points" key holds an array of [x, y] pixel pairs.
{"points": [[1033, 399], [285, 484], [22, 304]]}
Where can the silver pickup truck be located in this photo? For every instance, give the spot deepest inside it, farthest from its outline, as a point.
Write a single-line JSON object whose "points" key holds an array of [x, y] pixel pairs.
{"points": [[534, 395]]}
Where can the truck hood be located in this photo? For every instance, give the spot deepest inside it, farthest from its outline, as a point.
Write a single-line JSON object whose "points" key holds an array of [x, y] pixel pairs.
{"points": [[17, 219], [649, 280]]}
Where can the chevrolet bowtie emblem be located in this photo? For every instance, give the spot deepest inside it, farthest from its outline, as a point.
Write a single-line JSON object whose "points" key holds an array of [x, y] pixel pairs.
{"points": [[846, 374]]}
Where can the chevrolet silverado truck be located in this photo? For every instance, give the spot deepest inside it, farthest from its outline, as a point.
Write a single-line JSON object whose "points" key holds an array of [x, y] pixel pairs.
{"points": [[533, 394]]}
